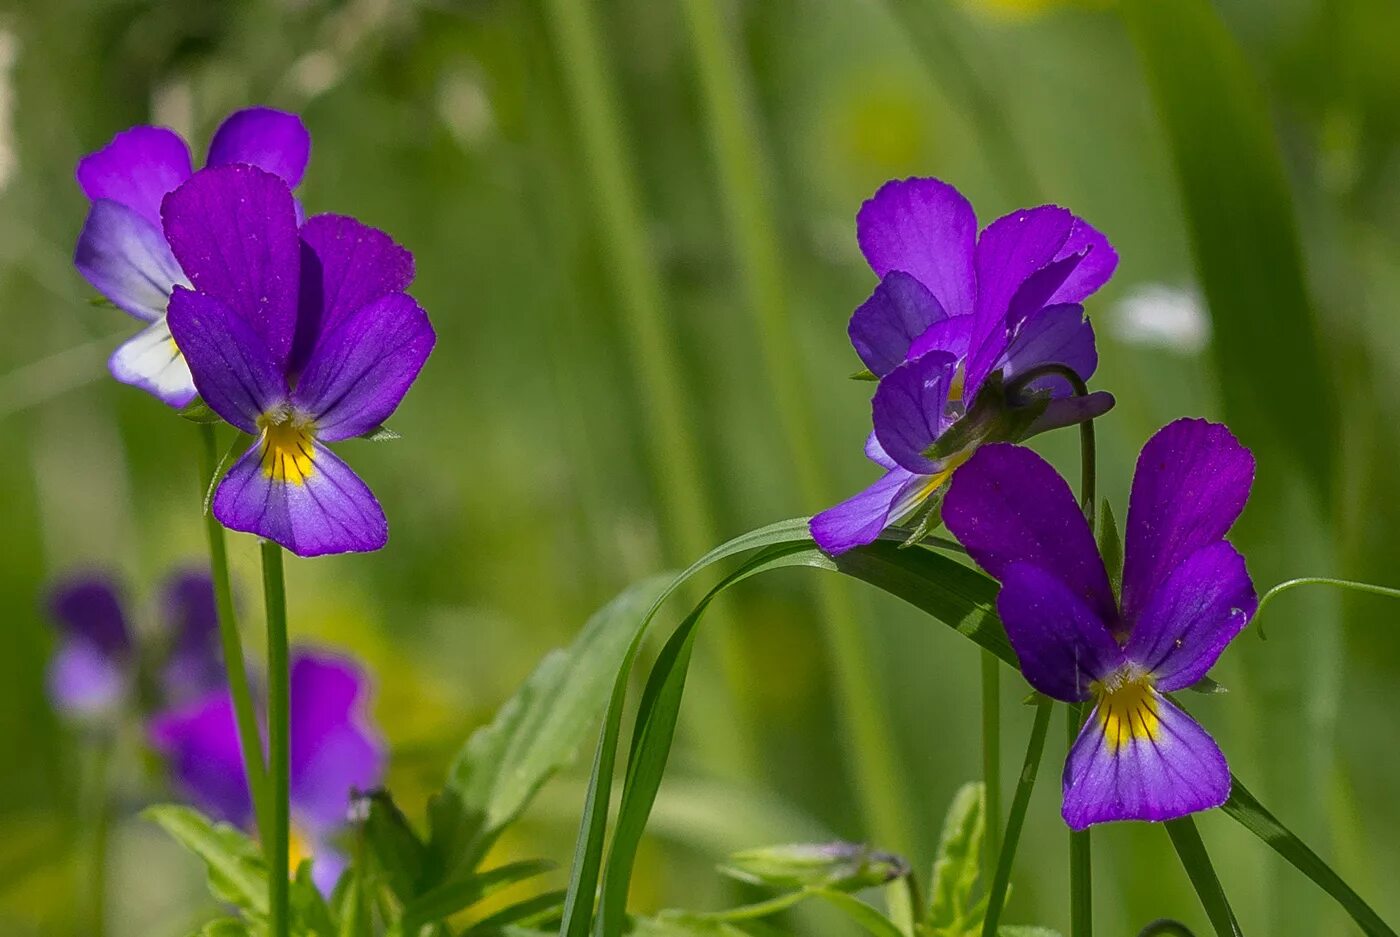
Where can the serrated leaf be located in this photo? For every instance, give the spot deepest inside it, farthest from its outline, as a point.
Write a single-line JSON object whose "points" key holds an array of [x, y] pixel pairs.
{"points": [[395, 847], [380, 433], [197, 411], [237, 871], [956, 867], [842, 866]]}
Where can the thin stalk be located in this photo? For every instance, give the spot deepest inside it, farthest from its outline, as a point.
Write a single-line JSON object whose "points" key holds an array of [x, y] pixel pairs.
{"points": [[1081, 887], [278, 717], [616, 199], [1020, 801], [1352, 585], [991, 760], [245, 716], [1196, 861], [744, 189]]}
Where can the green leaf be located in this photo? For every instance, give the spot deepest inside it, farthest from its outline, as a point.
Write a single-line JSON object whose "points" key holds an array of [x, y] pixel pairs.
{"points": [[1026, 930], [351, 904], [395, 847], [380, 433], [237, 871], [865, 374], [225, 927], [956, 867], [1111, 546], [197, 411], [1196, 861], [450, 897], [843, 866], [1244, 235], [537, 910], [1249, 813], [1208, 686], [872, 921]]}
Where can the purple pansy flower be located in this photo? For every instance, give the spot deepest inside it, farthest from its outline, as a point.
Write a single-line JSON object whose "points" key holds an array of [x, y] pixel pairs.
{"points": [[1185, 595], [122, 250], [952, 309], [334, 751], [299, 338]]}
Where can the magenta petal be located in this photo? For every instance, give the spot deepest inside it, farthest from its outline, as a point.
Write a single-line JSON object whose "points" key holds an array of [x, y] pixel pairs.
{"points": [[1062, 643], [326, 509], [1008, 505], [137, 169], [274, 141], [909, 410], [332, 749], [926, 228], [1096, 268], [200, 743], [861, 519], [360, 370], [1191, 482], [234, 230], [345, 266], [232, 368], [884, 327], [126, 259], [1179, 771], [1184, 628]]}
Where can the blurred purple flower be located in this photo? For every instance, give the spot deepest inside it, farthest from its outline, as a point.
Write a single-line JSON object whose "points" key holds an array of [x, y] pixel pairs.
{"points": [[122, 250], [1185, 595], [297, 337], [195, 662], [91, 673], [334, 751], [952, 309]]}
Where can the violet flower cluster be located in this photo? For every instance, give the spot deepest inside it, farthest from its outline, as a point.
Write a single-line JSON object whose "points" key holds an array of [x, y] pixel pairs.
{"points": [[298, 333]]}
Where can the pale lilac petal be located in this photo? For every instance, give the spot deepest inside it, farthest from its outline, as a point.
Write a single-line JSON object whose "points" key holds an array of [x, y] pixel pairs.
{"points": [[152, 361], [232, 367], [274, 141], [84, 682], [1062, 643], [1191, 483], [1160, 769], [926, 228], [233, 229], [333, 750], [327, 866], [910, 410], [362, 368], [200, 743], [876, 453], [301, 495], [1187, 623], [1007, 505], [884, 327], [126, 259], [137, 169], [861, 519]]}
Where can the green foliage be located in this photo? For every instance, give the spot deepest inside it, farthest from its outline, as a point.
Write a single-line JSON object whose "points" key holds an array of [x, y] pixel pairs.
{"points": [[1111, 546], [197, 411], [235, 864], [840, 866], [952, 908]]}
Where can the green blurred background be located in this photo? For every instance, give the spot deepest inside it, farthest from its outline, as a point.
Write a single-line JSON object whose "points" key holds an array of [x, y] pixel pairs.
{"points": [[633, 221]]}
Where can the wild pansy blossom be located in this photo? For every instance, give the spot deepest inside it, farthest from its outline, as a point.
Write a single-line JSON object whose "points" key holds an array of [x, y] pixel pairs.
{"points": [[954, 317], [334, 751], [94, 669], [122, 250], [1185, 595], [298, 337]]}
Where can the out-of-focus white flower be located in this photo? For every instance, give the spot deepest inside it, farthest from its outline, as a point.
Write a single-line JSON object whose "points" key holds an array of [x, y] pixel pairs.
{"points": [[1162, 316]]}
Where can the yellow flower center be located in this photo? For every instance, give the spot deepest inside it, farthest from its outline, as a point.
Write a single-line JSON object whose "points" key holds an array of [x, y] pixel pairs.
{"points": [[956, 387], [287, 454], [1128, 709], [298, 850]]}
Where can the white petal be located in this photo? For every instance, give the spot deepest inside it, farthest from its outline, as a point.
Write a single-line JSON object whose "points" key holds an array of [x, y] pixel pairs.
{"points": [[150, 360]]}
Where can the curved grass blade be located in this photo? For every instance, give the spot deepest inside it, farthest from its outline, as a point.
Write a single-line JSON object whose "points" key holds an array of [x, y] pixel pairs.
{"points": [[1252, 815], [1001, 880], [872, 921], [1186, 839]]}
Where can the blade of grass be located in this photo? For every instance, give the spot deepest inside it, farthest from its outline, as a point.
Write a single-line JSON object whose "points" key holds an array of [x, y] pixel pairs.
{"points": [[1186, 839], [1020, 801]]}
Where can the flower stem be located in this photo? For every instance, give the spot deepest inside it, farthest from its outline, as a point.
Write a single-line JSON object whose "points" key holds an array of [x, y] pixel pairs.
{"points": [[1001, 876], [1081, 888], [991, 760], [249, 739], [278, 714]]}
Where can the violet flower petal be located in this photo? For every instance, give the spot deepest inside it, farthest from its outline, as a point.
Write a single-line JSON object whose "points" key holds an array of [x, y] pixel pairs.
{"points": [[152, 361], [232, 367], [272, 140], [884, 327], [332, 749], [137, 169], [89, 607], [861, 519], [1052, 335], [1099, 262], [126, 259], [1068, 411], [1174, 770], [1062, 643], [200, 741], [84, 682], [950, 336], [1191, 483], [909, 410], [926, 228], [1185, 626], [195, 663]]}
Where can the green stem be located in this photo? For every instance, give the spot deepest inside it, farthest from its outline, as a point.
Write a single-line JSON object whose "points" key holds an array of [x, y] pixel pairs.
{"points": [[1001, 877], [245, 716], [1196, 861], [1354, 586], [991, 759], [745, 189], [1081, 887], [278, 716]]}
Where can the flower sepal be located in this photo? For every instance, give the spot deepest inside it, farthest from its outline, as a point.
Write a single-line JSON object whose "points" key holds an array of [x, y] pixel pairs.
{"points": [[839, 865], [380, 433], [197, 411], [994, 417]]}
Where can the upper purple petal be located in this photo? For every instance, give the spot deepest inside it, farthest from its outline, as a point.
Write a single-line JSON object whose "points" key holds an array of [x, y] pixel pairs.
{"points": [[195, 662], [1052, 335], [1186, 625], [950, 336], [1009, 251], [272, 140], [200, 742], [862, 518], [362, 368], [1191, 482], [1062, 643], [884, 327], [926, 228], [127, 260], [137, 169], [1096, 268], [909, 410], [1008, 505], [233, 229], [88, 607], [232, 366], [333, 750]]}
